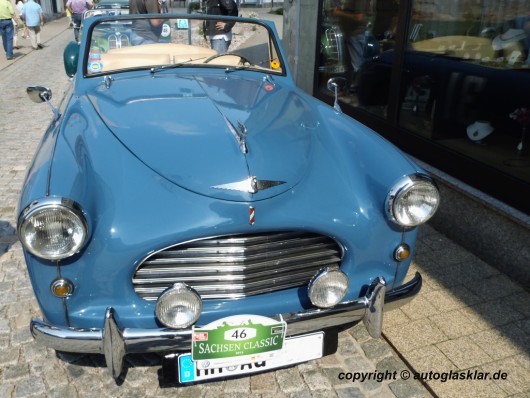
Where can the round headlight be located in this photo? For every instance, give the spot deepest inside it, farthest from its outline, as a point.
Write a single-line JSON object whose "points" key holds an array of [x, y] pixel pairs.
{"points": [[413, 200], [53, 229], [179, 306], [328, 288]]}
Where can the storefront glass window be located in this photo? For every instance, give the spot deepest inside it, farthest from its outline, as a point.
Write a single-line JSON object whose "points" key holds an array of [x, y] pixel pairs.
{"points": [[353, 32], [466, 83], [464, 73]]}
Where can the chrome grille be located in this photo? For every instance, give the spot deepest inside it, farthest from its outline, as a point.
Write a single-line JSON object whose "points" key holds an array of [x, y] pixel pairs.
{"points": [[237, 266]]}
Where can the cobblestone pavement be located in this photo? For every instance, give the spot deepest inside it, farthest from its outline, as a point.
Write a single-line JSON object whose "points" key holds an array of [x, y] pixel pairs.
{"points": [[28, 370]]}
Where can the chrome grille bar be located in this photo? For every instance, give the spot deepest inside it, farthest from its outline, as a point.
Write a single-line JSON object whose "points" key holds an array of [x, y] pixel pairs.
{"points": [[237, 266]]}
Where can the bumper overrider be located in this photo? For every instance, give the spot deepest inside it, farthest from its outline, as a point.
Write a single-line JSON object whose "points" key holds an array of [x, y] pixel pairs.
{"points": [[115, 342]]}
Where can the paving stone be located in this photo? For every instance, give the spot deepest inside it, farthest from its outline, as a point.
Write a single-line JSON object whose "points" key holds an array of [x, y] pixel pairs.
{"points": [[430, 358], [376, 349], [332, 375], [29, 387], [316, 380], [290, 380], [407, 389], [302, 394], [390, 363], [62, 391], [464, 353], [425, 333], [262, 383], [349, 392]]}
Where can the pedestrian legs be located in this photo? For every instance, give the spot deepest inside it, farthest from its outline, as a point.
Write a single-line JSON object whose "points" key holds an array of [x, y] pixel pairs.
{"points": [[220, 45], [15, 35], [77, 19], [6, 29], [34, 35]]}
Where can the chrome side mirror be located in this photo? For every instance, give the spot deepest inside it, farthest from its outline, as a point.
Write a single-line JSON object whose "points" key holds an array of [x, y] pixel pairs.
{"points": [[337, 85], [39, 94]]}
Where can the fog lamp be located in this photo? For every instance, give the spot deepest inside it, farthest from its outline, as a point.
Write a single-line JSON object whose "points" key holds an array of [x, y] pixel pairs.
{"points": [[179, 306], [62, 287], [328, 287]]}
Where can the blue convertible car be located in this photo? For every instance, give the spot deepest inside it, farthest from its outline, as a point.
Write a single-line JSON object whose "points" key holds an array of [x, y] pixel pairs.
{"points": [[198, 205]]}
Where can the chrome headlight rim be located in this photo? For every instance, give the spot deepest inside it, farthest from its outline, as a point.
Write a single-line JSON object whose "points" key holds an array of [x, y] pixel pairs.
{"points": [[53, 204], [404, 186]]}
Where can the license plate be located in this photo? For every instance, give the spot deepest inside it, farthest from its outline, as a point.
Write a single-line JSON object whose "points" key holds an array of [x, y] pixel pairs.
{"points": [[295, 350]]}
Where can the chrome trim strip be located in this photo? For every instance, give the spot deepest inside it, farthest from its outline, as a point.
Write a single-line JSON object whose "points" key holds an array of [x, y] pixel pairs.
{"points": [[249, 185], [115, 343]]}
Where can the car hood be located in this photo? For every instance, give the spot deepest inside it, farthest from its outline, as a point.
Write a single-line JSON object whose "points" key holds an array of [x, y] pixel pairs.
{"points": [[226, 136]]}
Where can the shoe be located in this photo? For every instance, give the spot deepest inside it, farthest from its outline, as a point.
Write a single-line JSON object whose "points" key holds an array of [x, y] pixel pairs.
{"points": [[40, 46], [16, 47], [10, 58]]}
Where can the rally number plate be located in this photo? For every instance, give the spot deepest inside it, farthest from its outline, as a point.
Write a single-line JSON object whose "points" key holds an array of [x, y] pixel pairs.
{"points": [[295, 350]]}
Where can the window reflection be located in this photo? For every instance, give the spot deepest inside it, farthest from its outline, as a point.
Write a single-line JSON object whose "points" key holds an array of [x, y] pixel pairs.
{"points": [[353, 33], [466, 70]]}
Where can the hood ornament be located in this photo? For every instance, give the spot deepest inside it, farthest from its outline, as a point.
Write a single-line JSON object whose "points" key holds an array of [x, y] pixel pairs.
{"points": [[240, 134], [250, 185]]}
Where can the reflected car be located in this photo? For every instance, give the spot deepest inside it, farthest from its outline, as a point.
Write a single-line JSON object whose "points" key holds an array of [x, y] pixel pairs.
{"points": [[454, 81], [120, 5], [200, 206]]}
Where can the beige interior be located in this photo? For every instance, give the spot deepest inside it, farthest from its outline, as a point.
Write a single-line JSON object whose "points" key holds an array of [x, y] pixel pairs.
{"points": [[468, 47], [161, 54]]}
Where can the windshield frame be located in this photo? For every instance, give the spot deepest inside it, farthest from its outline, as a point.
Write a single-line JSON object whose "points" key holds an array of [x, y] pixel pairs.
{"points": [[91, 23]]}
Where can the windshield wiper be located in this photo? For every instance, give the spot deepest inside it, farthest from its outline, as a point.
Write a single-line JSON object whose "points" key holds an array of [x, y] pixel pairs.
{"points": [[154, 70], [173, 66], [230, 69]]}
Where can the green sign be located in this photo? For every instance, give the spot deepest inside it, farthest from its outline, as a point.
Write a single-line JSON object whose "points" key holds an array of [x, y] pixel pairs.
{"points": [[234, 339]]}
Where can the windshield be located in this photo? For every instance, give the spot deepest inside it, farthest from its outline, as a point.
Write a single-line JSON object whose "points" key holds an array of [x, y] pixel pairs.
{"points": [[125, 42]]}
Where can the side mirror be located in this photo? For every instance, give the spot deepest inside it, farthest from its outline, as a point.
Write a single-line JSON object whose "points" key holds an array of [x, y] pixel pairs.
{"points": [[337, 85], [71, 58], [39, 94]]}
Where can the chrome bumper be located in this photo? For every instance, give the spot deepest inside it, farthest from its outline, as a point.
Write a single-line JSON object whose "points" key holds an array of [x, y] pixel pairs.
{"points": [[115, 342]]}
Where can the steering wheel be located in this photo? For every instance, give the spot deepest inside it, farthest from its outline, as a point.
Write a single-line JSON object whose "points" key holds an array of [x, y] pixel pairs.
{"points": [[242, 59]]}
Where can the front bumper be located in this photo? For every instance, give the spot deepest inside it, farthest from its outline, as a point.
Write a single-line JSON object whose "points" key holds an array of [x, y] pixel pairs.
{"points": [[115, 342]]}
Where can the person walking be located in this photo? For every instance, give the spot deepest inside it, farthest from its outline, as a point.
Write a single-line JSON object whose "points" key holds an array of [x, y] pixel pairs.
{"points": [[220, 33], [20, 6], [15, 35], [77, 8], [34, 19], [7, 15], [165, 10], [146, 31]]}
